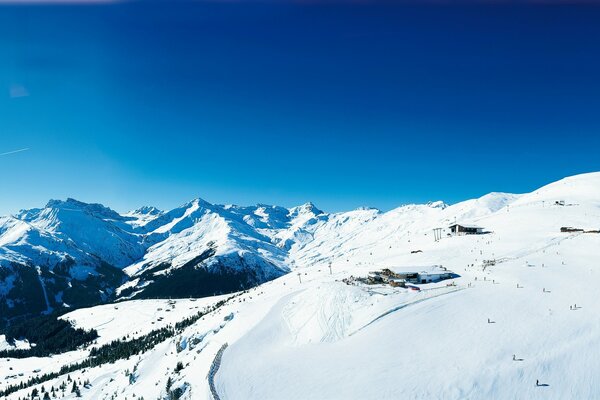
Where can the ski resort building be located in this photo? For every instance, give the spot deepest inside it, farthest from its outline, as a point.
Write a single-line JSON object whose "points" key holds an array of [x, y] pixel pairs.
{"points": [[465, 229], [434, 273], [399, 277]]}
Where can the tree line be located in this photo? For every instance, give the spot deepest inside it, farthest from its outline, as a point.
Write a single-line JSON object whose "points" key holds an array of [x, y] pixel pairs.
{"points": [[119, 349], [50, 334]]}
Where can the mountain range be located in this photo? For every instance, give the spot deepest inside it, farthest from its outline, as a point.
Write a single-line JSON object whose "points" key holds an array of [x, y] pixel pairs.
{"points": [[74, 254]]}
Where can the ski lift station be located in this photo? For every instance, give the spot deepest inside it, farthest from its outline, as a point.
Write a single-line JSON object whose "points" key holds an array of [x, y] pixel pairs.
{"points": [[419, 275], [434, 273], [466, 229]]}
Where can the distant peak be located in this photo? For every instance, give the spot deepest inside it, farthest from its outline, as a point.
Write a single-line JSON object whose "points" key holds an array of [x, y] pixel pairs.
{"points": [[201, 202], [437, 204], [308, 207], [95, 209], [56, 203], [196, 202], [265, 206], [367, 208], [147, 210]]}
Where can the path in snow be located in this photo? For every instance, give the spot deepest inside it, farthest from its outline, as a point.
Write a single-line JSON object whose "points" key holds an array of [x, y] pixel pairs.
{"points": [[214, 368]]}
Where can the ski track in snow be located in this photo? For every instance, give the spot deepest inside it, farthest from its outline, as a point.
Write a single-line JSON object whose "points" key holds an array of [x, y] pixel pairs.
{"points": [[404, 305]]}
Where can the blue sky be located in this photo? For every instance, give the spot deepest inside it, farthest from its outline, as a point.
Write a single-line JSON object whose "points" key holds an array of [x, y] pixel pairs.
{"points": [[345, 105]]}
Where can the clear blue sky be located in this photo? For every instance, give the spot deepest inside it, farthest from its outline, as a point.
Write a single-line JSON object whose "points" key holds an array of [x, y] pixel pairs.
{"points": [[277, 102]]}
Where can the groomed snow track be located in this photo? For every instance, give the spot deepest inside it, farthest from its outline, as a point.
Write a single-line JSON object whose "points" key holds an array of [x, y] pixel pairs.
{"points": [[214, 368]]}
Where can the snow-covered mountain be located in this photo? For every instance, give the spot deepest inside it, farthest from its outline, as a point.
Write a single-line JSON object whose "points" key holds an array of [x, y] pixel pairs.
{"points": [[71, 253], [231, 244], [65, 254], [493, 331]]}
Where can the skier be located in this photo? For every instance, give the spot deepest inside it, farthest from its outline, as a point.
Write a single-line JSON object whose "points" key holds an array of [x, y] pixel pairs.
{"points": [[514, 357], [537, 382]]}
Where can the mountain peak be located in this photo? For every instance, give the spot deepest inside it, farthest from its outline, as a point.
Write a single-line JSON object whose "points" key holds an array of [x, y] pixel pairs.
{"points": [[147, 210], [367, 208], [57, 203], [437, 204], [198, 202], [305, 208], [95, 209]]}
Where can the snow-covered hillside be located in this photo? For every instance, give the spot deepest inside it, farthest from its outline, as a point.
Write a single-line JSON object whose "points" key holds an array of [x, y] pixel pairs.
{"points": [[522, 307]]}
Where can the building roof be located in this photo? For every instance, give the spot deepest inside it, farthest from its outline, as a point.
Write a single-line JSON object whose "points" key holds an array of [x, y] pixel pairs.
{"points": [[470, 226], [423, 270], [431, 273]]}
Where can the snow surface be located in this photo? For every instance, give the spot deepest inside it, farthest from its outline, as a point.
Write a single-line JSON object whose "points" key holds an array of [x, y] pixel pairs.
{"points": [[309, 335]]}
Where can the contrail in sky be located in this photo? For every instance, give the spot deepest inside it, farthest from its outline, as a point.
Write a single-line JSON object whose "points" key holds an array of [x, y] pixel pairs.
{"points": [[14, 151]]}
